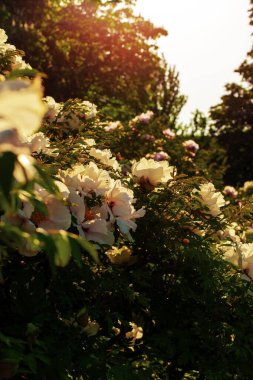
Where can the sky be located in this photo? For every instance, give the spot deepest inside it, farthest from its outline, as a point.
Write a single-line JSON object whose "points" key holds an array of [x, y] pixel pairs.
{"points": [[207, 41]]}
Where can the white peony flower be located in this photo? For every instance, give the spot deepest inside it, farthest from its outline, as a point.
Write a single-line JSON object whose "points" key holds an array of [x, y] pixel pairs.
{"points": [[6, 47], [40, 143], [18, 63], [112, 126], [247, 258], [97, 230], [119, 200], [105, 156], [230, 253], [152, 172], [74, 113], [89, 142], [53, 108], [87, 179], [240, 255], [58, 218], [230, 232], [248, 187], [21, 106], [3, 36], [90, 109], [210, 198]]}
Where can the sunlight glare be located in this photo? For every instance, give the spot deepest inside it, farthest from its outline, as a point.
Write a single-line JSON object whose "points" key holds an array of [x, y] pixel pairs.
{"points": [[208, 40]]}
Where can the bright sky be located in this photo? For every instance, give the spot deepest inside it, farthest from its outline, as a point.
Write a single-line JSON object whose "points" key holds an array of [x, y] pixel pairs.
{"points": [[208, 40]]}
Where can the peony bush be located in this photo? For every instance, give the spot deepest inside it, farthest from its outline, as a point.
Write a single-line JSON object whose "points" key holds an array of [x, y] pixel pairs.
{"points": [[119, 257]]}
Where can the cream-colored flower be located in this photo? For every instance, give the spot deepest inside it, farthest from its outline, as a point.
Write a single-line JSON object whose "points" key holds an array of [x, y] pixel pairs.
{"points": [[19, 64], [97, 230], [21, 106], [248, 187], [105, 156], [39, 143], [53, 108], [75, 112], [113, 125], [120, 256], [120, 201], [58, 218], [210, 198], [87, 179], [3, 36], [127, 222], [152, 172], [77, 205], [6, 47], [247, 258], [119, 198], [230, 253], [230, 232], [89, 142], [91, 223], [241, 255], [90, 109]]}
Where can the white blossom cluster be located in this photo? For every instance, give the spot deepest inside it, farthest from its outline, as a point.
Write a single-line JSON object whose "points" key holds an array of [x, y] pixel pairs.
{"points": [[91, 197], [88, 199], [236, 251], [17, 62], [73, 114]]}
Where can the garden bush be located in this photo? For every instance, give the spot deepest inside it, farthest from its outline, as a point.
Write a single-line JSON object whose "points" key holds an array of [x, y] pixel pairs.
{"points": [[119, 257]]}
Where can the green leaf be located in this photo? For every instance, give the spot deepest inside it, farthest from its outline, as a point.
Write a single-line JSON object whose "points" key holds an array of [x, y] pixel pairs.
{"points": [[46, 181], [7, 164], [40, 206], [23, 73], [31, 362], [88, 247], [63, 249], [76, 252]]}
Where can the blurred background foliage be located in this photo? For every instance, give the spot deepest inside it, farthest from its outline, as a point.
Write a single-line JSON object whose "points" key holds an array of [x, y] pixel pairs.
{"points": [[101, 51], [97, 50], [232, 122]]}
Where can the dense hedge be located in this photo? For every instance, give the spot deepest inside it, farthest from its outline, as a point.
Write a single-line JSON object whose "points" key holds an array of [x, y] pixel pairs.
{"points": [[124, 265]]}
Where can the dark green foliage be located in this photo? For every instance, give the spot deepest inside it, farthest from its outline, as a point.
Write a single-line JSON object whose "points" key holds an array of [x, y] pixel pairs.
{"points": [[102, 53], [233, 123]]}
